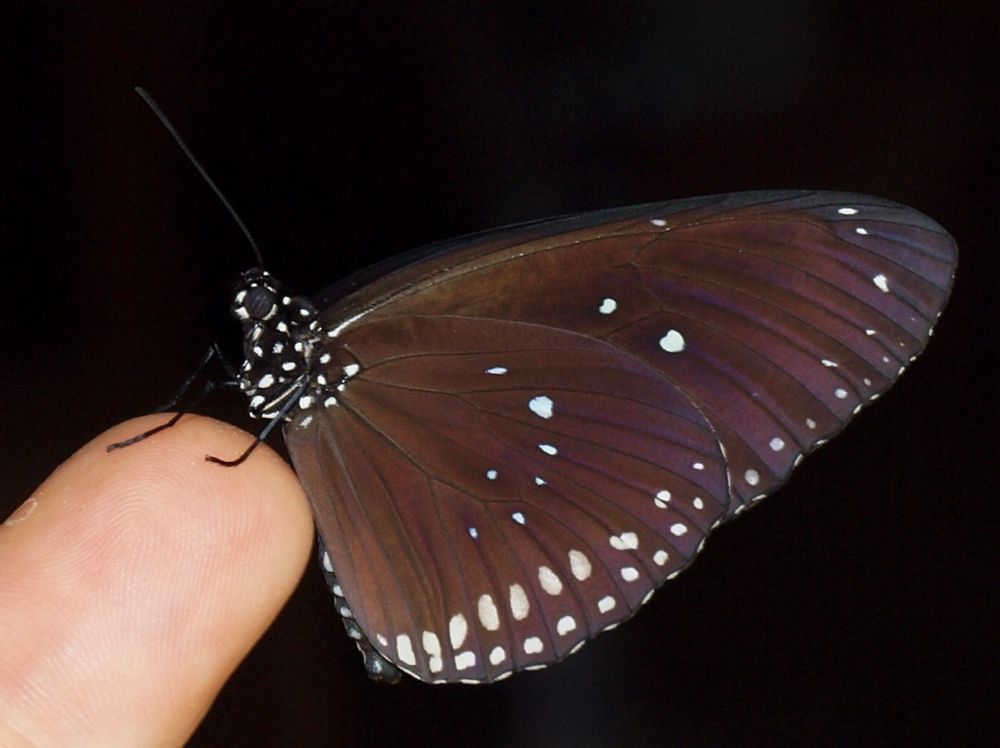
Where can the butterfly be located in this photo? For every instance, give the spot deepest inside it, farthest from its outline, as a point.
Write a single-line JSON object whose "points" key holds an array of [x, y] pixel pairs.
{"points": [[512, 439]]}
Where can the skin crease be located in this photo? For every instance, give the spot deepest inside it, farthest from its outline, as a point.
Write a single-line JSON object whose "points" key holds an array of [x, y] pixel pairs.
{"points": [[132, 584]]}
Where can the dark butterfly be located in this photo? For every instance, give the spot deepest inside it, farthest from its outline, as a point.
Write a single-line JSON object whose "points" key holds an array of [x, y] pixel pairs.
{"points": [[512, 439]]}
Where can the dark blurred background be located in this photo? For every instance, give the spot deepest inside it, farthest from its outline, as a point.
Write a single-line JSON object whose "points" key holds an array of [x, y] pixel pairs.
{"points": [[855, 607]]}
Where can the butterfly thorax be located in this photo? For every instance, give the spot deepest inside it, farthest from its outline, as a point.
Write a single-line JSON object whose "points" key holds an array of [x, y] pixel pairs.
{"points": [[281, 337]]}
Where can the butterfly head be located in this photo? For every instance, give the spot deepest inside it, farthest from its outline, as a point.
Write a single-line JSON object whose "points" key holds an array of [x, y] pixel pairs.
{"points": [[280, 333]]}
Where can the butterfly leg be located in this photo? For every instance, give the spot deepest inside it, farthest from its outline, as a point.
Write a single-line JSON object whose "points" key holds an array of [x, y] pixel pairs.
{"points": [[213, 352]]}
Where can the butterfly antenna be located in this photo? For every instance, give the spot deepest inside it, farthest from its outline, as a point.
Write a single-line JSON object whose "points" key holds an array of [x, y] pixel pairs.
{"points": [[197, 165]]}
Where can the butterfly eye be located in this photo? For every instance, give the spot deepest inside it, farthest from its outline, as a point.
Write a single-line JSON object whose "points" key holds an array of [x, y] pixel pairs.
{"points": [[259, 304]]}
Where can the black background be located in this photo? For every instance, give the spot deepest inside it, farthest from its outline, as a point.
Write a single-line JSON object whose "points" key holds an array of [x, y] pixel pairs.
{"points": [[855, 607]]}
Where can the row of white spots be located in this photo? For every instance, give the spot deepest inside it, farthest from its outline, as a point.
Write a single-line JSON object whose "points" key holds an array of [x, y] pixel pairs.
{"points": [[672, 342], [520, 607]]}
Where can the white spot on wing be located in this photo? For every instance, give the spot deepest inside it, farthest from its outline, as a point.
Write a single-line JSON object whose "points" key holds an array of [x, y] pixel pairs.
{"points": [[658, 222], [518, 517], [882, 282], [541, 406], [488, 615], [497, 370], [606, 604], [607, 306], [859, 230], [752, 477], [465, 660], [840, 393], [404, 648], [497, 655], [630, 573], [519, 605], [549, 580], [776, 444], [678, 529], [458, 627], [672, 342], [565, 624], [660, 557], [625, 541], [491, 474], [432, 645], [847, 211], [533, 645], [548, 449], [579, 564]]}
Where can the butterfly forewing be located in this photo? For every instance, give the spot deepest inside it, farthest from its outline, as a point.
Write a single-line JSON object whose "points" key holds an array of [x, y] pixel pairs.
{"points": [[535, 427]]}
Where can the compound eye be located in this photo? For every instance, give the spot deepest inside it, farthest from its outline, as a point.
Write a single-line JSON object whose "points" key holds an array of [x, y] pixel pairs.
{"points": [[260, 303]]}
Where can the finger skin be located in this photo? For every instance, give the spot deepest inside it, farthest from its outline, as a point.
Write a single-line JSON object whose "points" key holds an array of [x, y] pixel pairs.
{"points": [[132, 583]]}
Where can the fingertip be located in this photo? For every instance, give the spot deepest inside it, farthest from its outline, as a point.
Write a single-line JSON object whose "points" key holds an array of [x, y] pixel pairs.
{"points": [[158, 569]]}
